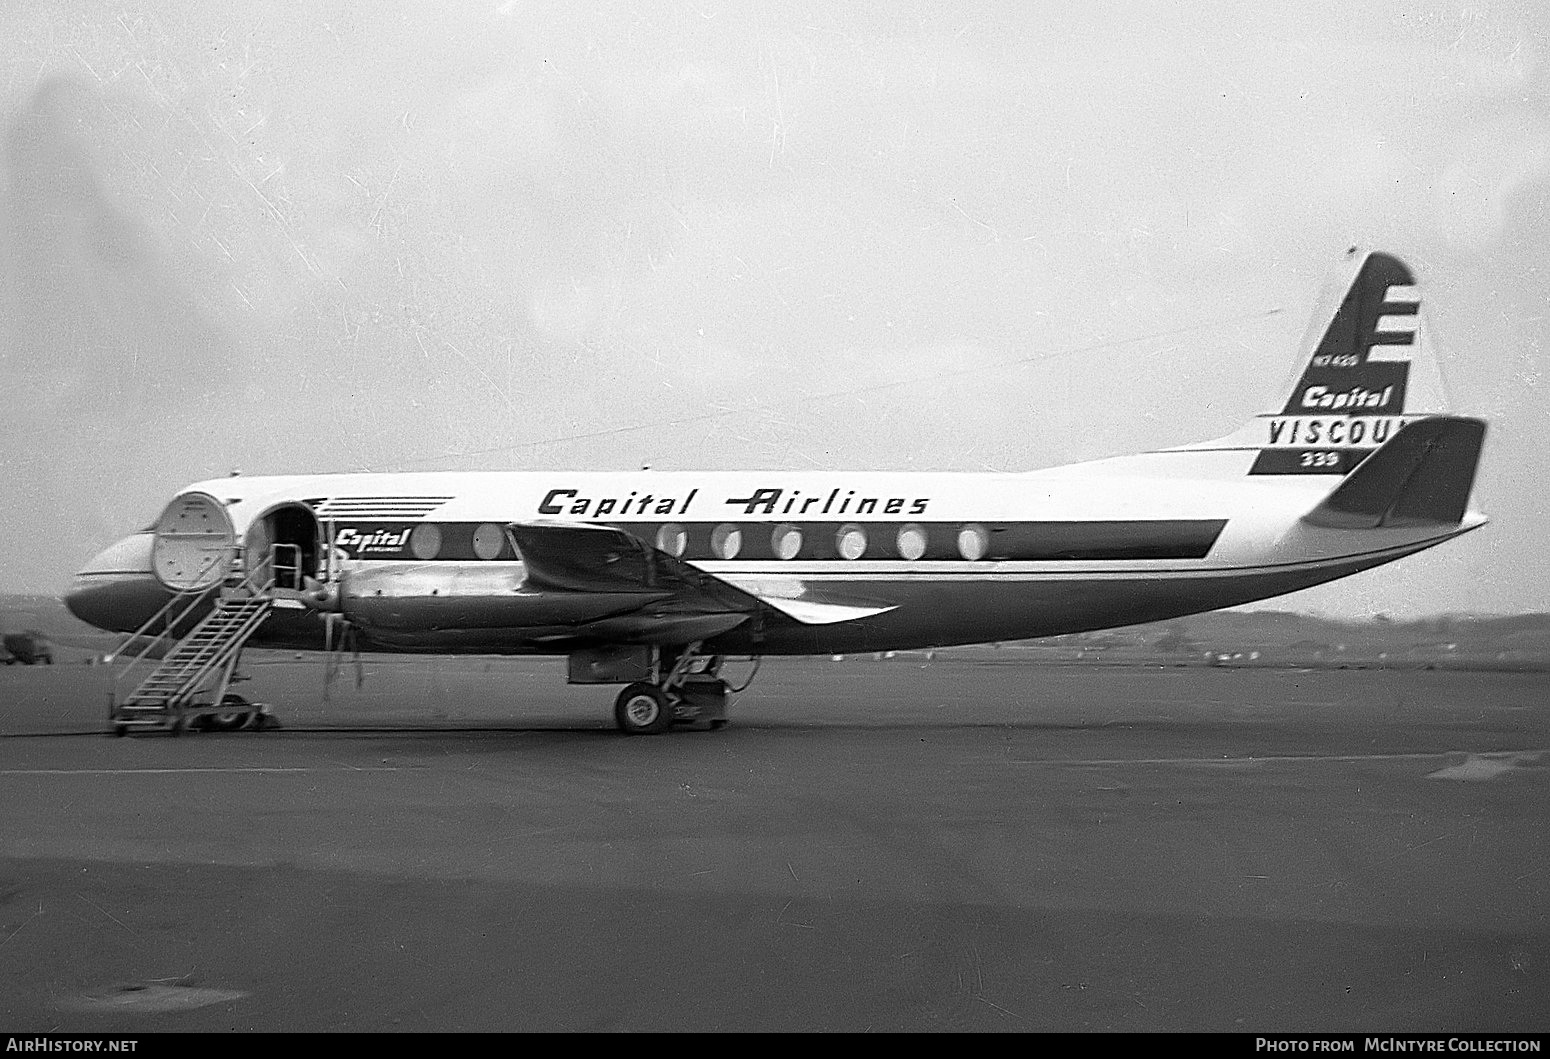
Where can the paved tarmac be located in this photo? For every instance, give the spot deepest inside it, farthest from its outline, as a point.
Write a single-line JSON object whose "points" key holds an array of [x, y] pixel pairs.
{"points": [[964, 843]]}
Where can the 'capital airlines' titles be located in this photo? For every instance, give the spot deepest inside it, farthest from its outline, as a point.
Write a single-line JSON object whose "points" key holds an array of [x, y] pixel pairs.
{"points": [[382, 540], [770, 502], [1356, 398], [1299, 431]]}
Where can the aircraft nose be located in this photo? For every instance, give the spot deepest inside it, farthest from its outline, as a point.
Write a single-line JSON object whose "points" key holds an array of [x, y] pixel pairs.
{"points": [[117, 590], [83, 600]]}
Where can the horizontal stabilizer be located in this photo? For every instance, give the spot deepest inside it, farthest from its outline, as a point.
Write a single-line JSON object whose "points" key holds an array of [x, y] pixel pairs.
{"points": [[1422, 476]]}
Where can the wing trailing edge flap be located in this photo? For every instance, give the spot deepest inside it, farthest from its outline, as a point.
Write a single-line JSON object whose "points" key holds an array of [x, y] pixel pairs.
{"points": [[580, 557], [1422, 476], [800, 601]]}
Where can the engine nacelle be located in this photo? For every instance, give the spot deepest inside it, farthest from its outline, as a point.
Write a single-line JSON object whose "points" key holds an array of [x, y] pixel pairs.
{"points": [[431, 597]]}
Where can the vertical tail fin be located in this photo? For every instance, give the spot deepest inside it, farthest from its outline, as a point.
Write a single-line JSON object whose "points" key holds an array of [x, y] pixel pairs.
{"points": [[1367, 367]]}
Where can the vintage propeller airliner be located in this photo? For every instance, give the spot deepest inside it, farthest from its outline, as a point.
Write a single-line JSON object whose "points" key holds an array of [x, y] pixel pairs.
{"points": [[650, 579]]}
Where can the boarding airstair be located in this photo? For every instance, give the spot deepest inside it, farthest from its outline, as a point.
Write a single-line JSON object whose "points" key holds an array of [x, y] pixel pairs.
{"points": [[199, 655]]}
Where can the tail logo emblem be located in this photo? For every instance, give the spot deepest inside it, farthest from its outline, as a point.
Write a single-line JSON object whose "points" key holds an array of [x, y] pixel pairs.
{"points": [[1362, 363]]}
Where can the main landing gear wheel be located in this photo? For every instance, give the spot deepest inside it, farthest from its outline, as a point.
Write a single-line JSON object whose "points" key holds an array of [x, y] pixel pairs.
{"points": [[643, 709]]}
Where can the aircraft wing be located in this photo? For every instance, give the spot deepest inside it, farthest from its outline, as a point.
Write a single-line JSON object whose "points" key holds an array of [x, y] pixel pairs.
{"points": [[579, 557]]}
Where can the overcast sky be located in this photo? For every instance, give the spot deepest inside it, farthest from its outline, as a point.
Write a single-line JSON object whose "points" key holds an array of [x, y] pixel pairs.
{"points": [[307, 236]]}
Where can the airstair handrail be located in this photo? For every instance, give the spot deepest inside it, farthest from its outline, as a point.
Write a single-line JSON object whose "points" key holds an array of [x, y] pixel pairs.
{"points": [[211, 646], [193, 596], [258, 581]]}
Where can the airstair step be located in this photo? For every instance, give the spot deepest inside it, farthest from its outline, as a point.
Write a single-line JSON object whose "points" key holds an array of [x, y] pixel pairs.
{"points": [[186, 669]]}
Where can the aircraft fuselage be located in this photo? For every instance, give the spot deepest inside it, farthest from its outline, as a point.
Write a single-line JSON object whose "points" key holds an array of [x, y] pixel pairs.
{"points": [[939, 559]]}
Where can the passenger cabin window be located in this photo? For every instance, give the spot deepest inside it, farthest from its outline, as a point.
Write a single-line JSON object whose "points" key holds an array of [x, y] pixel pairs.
{"points": [[973, 542], [726, 540], [672, 539], [425, 541], [851, 541], [786, 542], [912, 541], [488, 539]]}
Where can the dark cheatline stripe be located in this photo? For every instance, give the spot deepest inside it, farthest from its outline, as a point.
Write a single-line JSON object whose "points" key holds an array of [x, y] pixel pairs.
{"points": [[457, 540], [1027, 541], [1180, 539]]}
